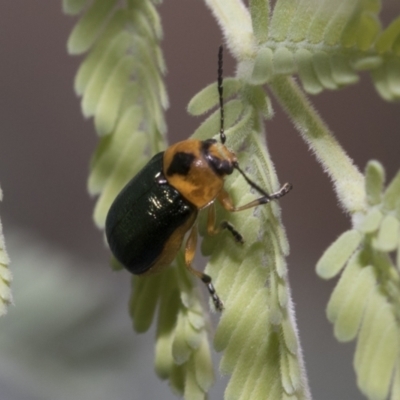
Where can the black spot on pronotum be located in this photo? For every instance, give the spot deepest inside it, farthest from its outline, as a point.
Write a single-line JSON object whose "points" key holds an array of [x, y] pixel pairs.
{"points": [[181, 164], [206, 144]]}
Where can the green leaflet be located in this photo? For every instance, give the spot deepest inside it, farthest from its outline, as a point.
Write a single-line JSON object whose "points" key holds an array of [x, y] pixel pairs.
{"points": [[354, 302], [104, 68], [283, 13], [301, 20], [210, 126], [169, 305], [284, 61], [238, 133], [393, 76], [5, 274], [367, 63], [349, 275], [318, 29], [263, 67], [337, 26], [323, 70], [181, 350], [259, 100], [208, 98], [154, 20], [371, 221], [334, 258], [392, 194], [259, 10], [388, 37], [381, 82], [114, 27], [388, 235], [387, 77], [374, 180], [111, 146], [201, 364], [307, 72], [110, 100], [368, 30], [342, 72], [144, 300], [85, 31]]}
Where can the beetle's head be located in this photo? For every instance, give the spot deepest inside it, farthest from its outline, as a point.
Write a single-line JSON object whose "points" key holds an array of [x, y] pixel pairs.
{"points": [[219, 158]]}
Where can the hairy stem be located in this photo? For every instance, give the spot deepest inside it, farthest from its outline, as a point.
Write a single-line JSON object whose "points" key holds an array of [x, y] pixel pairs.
{"points": [[348, 180]]}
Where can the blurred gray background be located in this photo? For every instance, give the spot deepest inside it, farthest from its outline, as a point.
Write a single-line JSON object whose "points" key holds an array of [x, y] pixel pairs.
{"points": [[45, 147]]}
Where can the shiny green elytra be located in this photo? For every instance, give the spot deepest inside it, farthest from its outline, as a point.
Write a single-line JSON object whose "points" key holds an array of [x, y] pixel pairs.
{"points": [[147, 221]]}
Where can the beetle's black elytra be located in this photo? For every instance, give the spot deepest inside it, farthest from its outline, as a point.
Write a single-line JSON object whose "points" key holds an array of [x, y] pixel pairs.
{"points": [[143, 217], [148, 220]]}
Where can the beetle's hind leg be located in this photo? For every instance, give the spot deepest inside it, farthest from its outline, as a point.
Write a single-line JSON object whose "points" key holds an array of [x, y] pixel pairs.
{"points": [[190, 251], [213, 230]]}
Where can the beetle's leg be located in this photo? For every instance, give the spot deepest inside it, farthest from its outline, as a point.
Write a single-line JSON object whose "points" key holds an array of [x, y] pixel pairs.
{"points": [[190, 251], [213, 230], [227, 203]]}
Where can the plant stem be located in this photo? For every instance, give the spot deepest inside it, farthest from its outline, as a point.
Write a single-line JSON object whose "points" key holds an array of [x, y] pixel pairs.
{"points": [[348, 180]]}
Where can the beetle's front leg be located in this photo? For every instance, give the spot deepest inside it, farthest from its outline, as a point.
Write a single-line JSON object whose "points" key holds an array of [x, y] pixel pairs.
{"points": [[190, 251], [227, 203]]}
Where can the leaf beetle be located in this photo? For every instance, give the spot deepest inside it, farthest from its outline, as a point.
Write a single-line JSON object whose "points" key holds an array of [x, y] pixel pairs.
{"points": [[149, 219]]}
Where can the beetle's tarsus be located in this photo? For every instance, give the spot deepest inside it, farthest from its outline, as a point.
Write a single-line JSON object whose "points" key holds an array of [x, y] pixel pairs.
{"points": [[286, 188], [236, 235], [219, 305]]}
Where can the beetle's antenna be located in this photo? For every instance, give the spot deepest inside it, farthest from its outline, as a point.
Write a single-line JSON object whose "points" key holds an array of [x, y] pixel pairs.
{"points": [[220, 93]]}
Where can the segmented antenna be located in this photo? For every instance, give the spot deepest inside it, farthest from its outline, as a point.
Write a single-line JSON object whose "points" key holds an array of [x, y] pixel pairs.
{"points": [[220, 93]]}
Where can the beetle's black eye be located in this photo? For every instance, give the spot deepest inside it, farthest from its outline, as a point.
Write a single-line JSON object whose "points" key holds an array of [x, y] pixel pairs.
{"points": [[181, 163], [225, 167], [220, 167]]}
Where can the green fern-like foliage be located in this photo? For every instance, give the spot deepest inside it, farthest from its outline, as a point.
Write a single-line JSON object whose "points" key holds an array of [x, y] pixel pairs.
{"points": [[325, 43], [121, 85], [256, 331], [123, 49], [5, 274], [366, 301]]}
